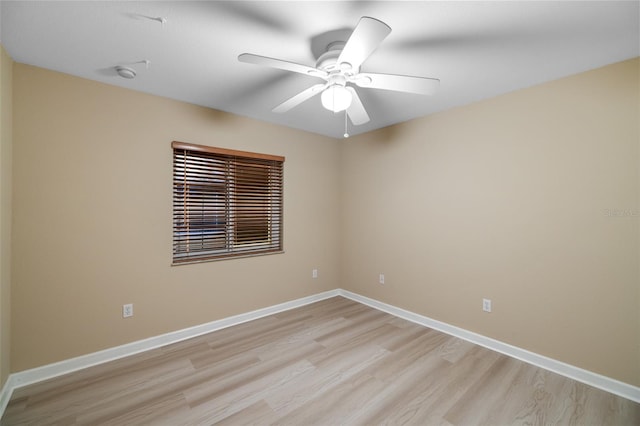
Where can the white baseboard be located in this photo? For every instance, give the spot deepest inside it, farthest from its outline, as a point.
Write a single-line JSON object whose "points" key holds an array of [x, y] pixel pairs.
{"points": [[599, 381], [34, 375], [5, 394], [27, 377]]}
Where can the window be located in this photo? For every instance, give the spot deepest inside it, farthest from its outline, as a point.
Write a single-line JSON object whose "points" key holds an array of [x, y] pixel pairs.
{"points": [[225, 203]]}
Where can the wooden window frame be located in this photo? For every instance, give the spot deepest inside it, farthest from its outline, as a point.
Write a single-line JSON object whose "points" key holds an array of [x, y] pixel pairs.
{"points": [[226, 203]]}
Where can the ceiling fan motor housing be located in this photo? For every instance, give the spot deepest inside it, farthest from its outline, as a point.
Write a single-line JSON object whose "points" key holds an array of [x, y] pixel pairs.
{"points": [[328, 61]]}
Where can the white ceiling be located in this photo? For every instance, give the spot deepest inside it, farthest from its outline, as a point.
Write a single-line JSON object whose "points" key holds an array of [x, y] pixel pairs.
{"points": [[477, 49]]}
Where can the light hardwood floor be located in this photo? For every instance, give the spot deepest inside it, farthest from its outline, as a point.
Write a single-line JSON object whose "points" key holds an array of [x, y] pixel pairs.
{"points": [[331, 362]]}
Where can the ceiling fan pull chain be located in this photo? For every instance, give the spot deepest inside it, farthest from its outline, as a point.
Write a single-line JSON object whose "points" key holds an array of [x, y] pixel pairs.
{"points": [[346, 133]]}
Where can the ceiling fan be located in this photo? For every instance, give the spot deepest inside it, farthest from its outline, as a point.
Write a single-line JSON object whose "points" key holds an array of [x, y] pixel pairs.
{"points": [[339, 66]]}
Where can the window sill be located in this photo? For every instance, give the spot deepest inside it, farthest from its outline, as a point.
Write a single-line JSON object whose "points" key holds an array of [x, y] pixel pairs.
{"points": [[225, 257]]}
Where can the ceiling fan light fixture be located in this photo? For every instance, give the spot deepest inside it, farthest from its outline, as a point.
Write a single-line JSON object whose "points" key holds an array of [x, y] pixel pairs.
{"points": [[336, 98]]}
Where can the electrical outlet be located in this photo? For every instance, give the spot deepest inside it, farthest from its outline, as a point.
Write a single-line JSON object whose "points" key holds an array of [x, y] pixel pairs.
{"points": [[486, 305], [381, 279], [314, 273], [127, 310]]}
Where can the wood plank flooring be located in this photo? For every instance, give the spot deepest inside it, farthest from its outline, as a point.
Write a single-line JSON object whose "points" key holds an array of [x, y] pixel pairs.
{"points": [[331, 362]]}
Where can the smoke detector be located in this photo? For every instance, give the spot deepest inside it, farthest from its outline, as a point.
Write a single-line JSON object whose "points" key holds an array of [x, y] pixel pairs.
{"points": [[126, 72]]}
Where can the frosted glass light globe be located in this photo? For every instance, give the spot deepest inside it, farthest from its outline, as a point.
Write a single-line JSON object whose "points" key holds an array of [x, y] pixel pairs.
{"points": [[336, 98]]}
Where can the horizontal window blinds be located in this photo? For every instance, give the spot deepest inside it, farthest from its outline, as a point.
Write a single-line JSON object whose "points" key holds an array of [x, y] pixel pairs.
{"points": [[226, 203]]}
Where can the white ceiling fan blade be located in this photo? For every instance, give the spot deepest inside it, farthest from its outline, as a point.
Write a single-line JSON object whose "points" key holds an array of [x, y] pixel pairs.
{"points": [[299, 98], [250, 58], [400, 83], [366, 37], [356, 111]]}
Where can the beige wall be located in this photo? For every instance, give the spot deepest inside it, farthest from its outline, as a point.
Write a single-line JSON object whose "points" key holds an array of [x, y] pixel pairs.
{"points": [[6, 143], [506, 199], [92, 218]]}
